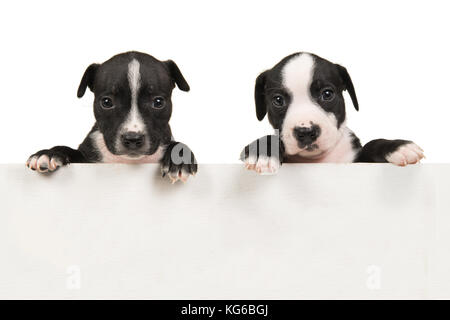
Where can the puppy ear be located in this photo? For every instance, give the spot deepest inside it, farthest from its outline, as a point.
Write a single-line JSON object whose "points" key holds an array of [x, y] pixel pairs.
{"points": [[348, 85], [176, 75], [88, 79], [260, 102]]}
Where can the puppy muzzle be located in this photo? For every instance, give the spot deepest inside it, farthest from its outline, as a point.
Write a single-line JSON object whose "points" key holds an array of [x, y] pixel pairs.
{"points": [[306, 136], [132, 141]]}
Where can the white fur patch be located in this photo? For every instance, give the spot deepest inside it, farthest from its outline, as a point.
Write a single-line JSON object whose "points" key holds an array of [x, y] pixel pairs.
{"points": [[108, 157], [297, 76], [342, 152], [134, 121], [409, 153]]}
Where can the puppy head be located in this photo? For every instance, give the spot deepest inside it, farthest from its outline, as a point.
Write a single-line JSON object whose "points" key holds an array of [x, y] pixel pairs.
{"points": [[132, 104], [303, 97]]}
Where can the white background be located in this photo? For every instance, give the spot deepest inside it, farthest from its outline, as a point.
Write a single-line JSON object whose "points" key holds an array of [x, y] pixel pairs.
{"points": [[396, 52]]}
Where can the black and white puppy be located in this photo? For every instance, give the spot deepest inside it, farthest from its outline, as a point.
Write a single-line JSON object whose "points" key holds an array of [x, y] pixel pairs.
{"points": [[132, 108], [302, 96]]}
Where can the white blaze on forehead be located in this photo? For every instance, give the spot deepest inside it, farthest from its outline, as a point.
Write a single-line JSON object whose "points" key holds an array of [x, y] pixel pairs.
{"points": [[297, 76], [134, 121]]}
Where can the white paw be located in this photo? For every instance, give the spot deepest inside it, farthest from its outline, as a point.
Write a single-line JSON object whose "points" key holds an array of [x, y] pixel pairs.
{"points": [[409, 153], [43, 163], [263, 165], [180, 174]]}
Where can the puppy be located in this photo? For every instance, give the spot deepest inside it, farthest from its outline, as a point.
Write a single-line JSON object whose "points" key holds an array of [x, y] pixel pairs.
{"points": [[302, 96], [132, 108]]}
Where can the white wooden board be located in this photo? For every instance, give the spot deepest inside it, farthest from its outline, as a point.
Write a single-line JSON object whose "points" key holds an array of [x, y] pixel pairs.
{"points": [[312, 231]]}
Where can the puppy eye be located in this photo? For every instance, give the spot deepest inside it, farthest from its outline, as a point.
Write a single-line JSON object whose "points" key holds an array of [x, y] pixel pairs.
{"points": [[327, 95], [107, 103], [158, 103], [278, 101]]}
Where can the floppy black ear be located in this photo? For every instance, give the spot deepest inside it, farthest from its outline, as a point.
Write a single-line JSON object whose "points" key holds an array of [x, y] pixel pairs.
{"points": [[348, 85], [260, 102], [176, 75], [87, 80]]}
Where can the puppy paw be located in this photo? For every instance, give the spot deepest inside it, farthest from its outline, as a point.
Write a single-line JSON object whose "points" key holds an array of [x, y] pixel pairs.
{"points": [[263, 165], [178, 163], [263, 155], [409, 153], [46, 161]]}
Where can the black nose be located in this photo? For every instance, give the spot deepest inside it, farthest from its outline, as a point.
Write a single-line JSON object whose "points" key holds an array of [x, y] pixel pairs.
{"points": [[132, 140], [305, 136]]}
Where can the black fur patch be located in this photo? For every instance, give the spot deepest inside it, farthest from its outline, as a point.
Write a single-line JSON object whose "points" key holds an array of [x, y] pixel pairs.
{"points": [[378, 150], [356, 143], [88, 149]]}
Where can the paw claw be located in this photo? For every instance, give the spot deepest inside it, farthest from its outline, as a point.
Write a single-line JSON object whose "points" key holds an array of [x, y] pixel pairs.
{"points": [[164, 170], [54, 164], [174, 177], [183, 175], [31, 163]]}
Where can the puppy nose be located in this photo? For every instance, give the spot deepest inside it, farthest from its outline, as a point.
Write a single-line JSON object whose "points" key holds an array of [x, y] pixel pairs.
{"points": [[305, 135], [132, 140]]}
